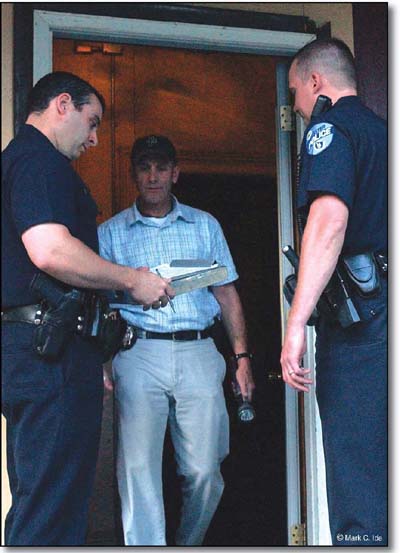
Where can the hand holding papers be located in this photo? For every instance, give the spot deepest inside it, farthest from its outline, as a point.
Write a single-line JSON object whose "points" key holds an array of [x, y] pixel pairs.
{"points": [[190, 274], [185, 274]]}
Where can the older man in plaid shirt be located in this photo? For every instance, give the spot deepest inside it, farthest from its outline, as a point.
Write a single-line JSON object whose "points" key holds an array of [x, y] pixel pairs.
{"points": [[173, 374]]}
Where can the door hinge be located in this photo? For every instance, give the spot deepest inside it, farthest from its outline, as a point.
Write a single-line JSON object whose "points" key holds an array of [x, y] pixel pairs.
{"points": [[105, 48], [298, 534], [286, 115]]}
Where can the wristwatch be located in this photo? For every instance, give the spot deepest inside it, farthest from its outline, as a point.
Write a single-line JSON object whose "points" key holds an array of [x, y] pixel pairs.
{"points": [[238, 356]]}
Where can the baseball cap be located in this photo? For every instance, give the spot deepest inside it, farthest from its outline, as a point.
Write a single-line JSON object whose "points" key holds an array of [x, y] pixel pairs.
{"points": [[153, 146]]}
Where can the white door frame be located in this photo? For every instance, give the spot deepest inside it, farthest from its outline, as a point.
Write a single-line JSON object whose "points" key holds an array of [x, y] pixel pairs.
{"points": [[317, 502], [317, 509], [49, 25]]}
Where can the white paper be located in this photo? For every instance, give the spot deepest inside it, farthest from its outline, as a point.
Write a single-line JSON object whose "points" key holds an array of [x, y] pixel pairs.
{"points": [[166, 271]]}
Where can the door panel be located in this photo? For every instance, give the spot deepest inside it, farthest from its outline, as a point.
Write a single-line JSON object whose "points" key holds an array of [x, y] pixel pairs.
{"points": [[124, 102], [95, 165], [215, 119]]}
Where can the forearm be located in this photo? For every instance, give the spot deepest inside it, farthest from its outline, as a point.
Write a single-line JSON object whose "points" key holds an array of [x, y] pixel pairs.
{"points": [[232, 316], [235, 326], [55, 251]]}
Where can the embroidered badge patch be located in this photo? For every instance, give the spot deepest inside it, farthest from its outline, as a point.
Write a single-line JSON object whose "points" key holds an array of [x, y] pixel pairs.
{"points": [[319, 138]]}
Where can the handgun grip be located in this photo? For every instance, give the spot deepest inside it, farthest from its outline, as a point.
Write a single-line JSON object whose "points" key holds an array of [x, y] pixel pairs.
{"points": [[291, 256], [45, 287]]}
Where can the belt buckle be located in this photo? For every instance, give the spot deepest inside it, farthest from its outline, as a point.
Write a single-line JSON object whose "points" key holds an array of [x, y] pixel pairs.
{"points": [[175, 336], [128, 339]]}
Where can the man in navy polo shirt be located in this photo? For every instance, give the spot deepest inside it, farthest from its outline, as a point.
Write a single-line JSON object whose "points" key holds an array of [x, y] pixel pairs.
{"points": [[53, 406], [342, 203]]}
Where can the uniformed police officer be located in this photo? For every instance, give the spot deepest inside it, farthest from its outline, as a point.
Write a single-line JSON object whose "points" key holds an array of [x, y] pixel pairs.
{"points": [[53, 404], [342, 199]]}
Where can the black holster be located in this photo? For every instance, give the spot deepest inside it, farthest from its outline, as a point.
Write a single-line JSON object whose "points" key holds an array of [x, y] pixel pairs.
{"points": [[289, 289], [335, 303], [67, 311], [60, 312]]}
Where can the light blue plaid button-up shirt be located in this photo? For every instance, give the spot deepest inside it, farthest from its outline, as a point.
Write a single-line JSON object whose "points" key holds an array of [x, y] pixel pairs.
{"points": [[131, 239]]}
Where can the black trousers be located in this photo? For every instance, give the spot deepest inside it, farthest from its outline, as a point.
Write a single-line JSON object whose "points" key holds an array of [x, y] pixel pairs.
{"points": [[351, 375], [53, 412]]}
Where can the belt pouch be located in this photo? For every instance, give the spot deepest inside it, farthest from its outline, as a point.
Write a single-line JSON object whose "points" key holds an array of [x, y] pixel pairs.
{"points": [[362, 272], [109, 329]]}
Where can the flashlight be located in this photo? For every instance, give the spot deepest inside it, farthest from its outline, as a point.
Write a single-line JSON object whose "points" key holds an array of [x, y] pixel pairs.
{"points": [[245, 411]]}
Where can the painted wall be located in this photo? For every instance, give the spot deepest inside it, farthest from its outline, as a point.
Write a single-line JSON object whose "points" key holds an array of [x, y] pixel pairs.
{"points": [[6, 74], [339, 14]]}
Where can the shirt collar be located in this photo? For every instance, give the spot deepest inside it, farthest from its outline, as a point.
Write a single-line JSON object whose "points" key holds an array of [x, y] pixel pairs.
{"points": [[347, 100], [178, 211]]}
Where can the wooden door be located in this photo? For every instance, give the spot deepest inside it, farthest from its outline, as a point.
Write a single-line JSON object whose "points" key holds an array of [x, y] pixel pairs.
{"points": [[217, 108]]}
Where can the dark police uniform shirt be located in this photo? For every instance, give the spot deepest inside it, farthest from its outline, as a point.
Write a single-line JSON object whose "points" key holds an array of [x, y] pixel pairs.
{"points": [[38, 186], [344, 153]]}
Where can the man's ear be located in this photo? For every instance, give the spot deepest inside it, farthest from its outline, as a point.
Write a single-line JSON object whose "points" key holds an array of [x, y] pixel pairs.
{"points": [[63, 103], [175, 174], [316, 82]]}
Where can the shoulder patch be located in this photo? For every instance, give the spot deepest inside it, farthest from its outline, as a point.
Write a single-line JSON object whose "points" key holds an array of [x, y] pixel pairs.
{"points": [[319, 137]]}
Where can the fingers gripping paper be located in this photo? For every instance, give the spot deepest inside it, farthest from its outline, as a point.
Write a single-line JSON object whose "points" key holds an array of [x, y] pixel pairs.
{"points": [[191, 274], [185, 275]]}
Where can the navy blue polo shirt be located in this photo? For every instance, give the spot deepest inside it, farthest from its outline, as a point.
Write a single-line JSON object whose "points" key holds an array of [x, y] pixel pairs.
{"points": [[39, 186], [344, 153]]}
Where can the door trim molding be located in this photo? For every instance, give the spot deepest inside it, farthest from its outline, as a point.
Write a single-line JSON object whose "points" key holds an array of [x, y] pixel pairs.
{"points": [[156, 11], [286, 236], [156, 33]]}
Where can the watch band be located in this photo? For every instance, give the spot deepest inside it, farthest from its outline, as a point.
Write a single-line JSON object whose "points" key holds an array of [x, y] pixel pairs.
{"points": [[243, 354]]}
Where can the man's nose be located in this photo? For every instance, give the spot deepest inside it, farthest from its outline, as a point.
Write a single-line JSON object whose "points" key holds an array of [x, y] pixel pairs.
{"points": [[153, 174], [93, 140]]}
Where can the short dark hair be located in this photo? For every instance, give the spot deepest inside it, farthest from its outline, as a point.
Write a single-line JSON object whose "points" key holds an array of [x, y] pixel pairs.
{"points": [[53, 84], [329, 56]]}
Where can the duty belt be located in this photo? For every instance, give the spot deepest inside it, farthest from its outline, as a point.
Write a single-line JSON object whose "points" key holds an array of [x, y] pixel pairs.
{"points": [[179, 336], [23, 314]]}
